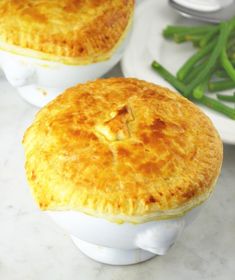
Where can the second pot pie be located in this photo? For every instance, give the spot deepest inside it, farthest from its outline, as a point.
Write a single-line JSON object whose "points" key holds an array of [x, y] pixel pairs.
{"points": [[68, 31], [122, 149]]}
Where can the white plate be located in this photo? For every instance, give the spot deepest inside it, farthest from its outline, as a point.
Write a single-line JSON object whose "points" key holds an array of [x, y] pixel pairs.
{"points": [[147, 44]]}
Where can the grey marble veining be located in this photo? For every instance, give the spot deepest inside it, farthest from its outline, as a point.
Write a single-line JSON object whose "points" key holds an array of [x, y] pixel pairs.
{"points": [[32, 247]]}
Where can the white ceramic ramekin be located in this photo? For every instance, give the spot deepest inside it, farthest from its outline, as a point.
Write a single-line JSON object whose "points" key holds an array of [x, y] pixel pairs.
{"points": [[40, 81], [121, 244]]}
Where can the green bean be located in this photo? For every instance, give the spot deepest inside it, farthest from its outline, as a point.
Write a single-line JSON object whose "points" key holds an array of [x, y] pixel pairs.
{"points": [[216, 56], [228, 67], [181, 38], [228, 98], [166, 75], [195, 71], [224, 33], [171, 30], [231, 53], [218, 106], [231, 56], [221, 85], [207, 38], [184, 70], [221, 73], [199, 90], [231, 41], [180, 28], [232, 23], [196, 43]]}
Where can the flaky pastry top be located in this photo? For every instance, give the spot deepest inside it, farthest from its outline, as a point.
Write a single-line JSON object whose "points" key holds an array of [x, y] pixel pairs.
{"points": [[122, 149], [68, 31]]}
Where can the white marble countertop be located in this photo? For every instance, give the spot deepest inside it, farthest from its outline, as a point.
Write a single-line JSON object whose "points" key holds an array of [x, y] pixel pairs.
{"points": [[32, 247]]}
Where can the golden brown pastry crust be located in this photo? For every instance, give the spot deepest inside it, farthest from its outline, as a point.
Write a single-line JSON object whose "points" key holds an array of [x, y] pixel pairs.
{"points": [[122, 148], [69, 31]]}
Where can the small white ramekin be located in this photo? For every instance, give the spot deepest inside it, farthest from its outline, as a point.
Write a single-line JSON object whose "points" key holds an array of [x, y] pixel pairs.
{"points": [[40, 81], [121, 244]]}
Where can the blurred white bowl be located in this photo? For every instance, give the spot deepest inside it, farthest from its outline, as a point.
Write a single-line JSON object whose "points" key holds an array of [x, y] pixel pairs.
{"points": [[40, 81]]}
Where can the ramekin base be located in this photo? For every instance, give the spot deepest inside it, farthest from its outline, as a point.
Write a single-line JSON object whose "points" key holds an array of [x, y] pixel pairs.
{"points": [[112, 256]]}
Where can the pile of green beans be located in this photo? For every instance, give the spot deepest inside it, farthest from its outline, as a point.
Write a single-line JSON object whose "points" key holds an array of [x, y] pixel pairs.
{"points": [[211, 69]]}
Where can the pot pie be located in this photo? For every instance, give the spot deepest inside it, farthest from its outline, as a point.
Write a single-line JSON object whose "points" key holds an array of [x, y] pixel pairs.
{"points": [[69, 31], [122, 149]]}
